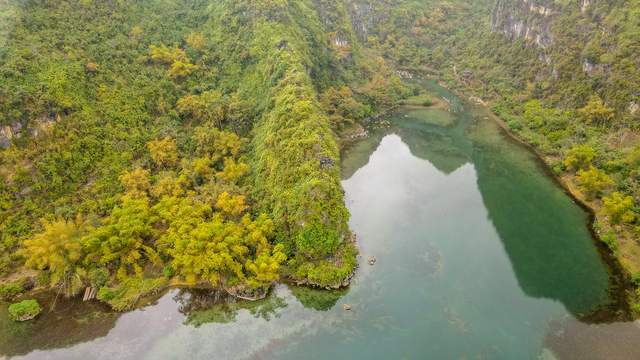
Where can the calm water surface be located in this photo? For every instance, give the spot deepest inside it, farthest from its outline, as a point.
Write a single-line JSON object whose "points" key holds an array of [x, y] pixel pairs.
{"points": [[480, 256]]}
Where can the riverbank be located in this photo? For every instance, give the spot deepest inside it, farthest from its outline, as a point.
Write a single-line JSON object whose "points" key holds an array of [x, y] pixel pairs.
{"points": [[621, 271], [621, 276], [621, 280], [359, 130], [136, 292]]}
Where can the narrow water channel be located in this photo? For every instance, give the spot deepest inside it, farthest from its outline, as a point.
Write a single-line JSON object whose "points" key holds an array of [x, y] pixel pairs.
{"points": [[479, 255]]}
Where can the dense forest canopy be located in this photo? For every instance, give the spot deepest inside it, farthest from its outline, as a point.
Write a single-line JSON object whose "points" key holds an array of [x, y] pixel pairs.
{"points": [[181, 140], [197, 142]]}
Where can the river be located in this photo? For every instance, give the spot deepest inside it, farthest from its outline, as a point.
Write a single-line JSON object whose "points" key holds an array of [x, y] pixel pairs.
{"points": [[480, 255]]}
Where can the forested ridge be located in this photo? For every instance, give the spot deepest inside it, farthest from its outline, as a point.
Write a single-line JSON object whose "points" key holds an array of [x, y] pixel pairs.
{"points": [[189, 143]]}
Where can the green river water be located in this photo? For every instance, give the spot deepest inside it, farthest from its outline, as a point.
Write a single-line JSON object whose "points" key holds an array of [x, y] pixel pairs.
{"points": [[479, 254]]}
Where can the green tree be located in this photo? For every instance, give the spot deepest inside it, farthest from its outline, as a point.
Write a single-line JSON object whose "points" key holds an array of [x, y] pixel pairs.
{"points": [[633, 157], [58, 250], [206, 107], [163, 151], [534, 114], [341, 106], [136, 182], [238, 113], [593, 182], [579, 157], [619, 208], [596, 112], [123, 241]]}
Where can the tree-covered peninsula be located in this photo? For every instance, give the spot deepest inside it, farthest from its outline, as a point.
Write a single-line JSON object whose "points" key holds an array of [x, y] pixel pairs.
{"points": [[189, 143]]}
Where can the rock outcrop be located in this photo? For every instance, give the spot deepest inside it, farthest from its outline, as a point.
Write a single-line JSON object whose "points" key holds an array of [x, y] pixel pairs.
{"points": [[528, 20]]}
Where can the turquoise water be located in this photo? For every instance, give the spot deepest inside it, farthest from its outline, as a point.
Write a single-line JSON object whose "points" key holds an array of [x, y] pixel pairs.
{"points": [[479, 256]]}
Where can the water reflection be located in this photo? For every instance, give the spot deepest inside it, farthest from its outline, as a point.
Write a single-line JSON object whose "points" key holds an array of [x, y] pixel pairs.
{"points": [[442, 150], [63, 324], [75, 329], [446, 148], [571, 339], [316, 299], [213, 306], [524, 209], [542, 249]]}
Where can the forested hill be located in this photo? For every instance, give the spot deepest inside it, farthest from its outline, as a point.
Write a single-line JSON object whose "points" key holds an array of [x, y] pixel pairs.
{"points": [[186, 142]]}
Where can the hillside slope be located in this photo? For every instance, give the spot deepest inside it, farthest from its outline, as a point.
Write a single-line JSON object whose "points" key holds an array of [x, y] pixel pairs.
{"points": [[189, 142]]}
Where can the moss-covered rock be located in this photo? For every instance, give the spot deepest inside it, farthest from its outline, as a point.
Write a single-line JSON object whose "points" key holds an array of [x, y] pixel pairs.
{"points": [[24, 310]]}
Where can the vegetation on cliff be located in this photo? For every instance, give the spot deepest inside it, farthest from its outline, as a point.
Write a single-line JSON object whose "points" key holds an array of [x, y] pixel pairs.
{"points": [[194, 141]]}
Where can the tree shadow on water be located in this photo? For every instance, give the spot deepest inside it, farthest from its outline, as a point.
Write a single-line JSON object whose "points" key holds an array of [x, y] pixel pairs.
{"points": [[214, 306], [318, 299]]}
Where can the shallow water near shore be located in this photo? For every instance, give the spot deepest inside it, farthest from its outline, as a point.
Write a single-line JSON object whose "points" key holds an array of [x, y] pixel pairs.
{"points": [[479, 255]]}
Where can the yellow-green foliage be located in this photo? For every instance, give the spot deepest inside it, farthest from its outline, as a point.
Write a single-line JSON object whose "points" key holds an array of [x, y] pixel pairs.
{"points": [[136, 182], [24, 310], [163, 151], [190, 215], [124, 237], [138, 115], [579, 157], [126, 294], [619, 208], [176, 59], [196, 41], [163, 55], [593, 182], [206, 107], [217, 248], [58, 250], [596, 112], [296, 165]]}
